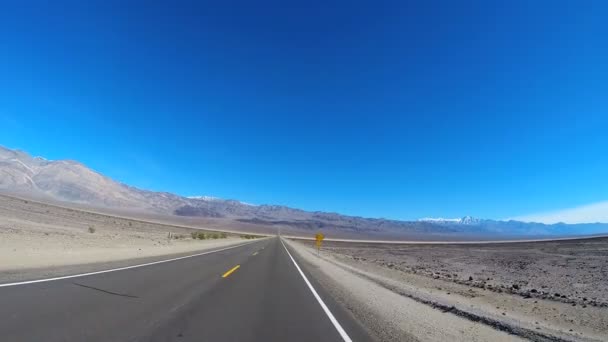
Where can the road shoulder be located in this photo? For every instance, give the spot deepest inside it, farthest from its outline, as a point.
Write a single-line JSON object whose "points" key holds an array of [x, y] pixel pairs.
{"points": [[388, 315]]}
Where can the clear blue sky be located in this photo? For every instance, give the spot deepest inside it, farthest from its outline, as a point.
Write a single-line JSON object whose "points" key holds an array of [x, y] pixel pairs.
{"points": [[384, 109]]}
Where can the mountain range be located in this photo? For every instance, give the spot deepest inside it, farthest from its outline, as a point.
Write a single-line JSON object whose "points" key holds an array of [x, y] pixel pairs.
{"points": [[73, 182]]}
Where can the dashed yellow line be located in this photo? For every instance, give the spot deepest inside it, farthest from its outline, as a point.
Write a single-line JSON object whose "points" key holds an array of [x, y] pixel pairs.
{"points": [[230, 271]]}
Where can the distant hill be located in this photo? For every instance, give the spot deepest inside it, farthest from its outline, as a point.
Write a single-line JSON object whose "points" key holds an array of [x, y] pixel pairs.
{"points": [[71, 181]]}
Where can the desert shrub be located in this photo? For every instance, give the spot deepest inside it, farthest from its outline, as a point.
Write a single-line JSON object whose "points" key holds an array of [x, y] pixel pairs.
{"points": [[194, 235], [91, 229], [202, 236], [215, 236], [223, 235]]}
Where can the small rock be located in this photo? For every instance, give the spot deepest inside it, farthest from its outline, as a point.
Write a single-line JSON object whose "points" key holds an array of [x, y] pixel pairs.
{"points": [[470, 278]]}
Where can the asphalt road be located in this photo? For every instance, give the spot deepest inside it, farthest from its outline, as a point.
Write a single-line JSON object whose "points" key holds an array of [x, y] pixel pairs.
{"points": [[265, 299]]}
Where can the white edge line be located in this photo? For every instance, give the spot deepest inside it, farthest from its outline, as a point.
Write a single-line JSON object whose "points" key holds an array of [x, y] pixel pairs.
{"points": [[333, 319], [120, 268]]}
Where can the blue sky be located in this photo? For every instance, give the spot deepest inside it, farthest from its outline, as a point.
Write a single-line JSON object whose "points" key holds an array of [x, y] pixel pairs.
{"points": [[384, 109]]}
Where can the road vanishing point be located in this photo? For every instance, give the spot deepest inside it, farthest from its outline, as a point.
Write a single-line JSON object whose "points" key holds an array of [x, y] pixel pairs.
{"points": [[255, 291]]}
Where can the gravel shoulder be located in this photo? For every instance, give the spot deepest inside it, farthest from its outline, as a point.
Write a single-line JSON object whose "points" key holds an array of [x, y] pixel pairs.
{"points": [[498, 289], [391, 316]]}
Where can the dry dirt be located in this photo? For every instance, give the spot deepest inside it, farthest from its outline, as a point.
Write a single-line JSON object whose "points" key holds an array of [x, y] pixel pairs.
{"points": [[35, 235], [553, 290]]}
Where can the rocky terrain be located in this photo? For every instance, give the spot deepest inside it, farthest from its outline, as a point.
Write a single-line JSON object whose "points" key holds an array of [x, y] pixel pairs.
{"points": [[548, 290], [570, 271]]}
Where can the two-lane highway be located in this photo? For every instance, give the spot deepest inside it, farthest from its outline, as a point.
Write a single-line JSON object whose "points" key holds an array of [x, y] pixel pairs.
{"points": [[254, 292]]}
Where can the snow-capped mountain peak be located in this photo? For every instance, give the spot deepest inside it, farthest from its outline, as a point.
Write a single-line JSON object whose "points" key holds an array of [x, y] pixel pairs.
{"points": [[463, 220], [469, 220]]}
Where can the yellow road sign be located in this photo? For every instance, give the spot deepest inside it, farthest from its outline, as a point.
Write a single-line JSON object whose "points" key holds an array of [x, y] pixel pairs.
{"points": [[319, 237]]}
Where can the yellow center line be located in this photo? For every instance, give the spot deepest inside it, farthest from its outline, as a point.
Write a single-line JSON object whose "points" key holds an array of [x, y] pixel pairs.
{"points": [[230, 271]]}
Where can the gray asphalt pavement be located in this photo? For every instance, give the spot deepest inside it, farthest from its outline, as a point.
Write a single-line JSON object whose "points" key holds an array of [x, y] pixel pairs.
{"points": [[264, 299]]}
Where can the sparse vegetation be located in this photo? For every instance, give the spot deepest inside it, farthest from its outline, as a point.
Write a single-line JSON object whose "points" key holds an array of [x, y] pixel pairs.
{"points": [[248, 237], [91, 229], [206, 236], [176, 236]]}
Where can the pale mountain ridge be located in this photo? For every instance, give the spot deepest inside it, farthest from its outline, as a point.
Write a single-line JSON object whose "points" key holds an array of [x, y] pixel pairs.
{"points": [[439, 219], [462, 220], [71, 181], [205, 198], [216, 199]]}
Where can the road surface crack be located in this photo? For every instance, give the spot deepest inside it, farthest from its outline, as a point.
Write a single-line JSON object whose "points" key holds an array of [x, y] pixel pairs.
{"points": [[105, 291]]}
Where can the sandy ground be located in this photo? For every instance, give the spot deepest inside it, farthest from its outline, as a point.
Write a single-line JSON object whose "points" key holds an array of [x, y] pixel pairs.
{"points": [[34, 235], [542, 291]]}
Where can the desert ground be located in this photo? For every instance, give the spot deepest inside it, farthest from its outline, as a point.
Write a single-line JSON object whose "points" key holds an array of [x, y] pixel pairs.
{"points": [[539, 291], [38, 239], [542, 291]]}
